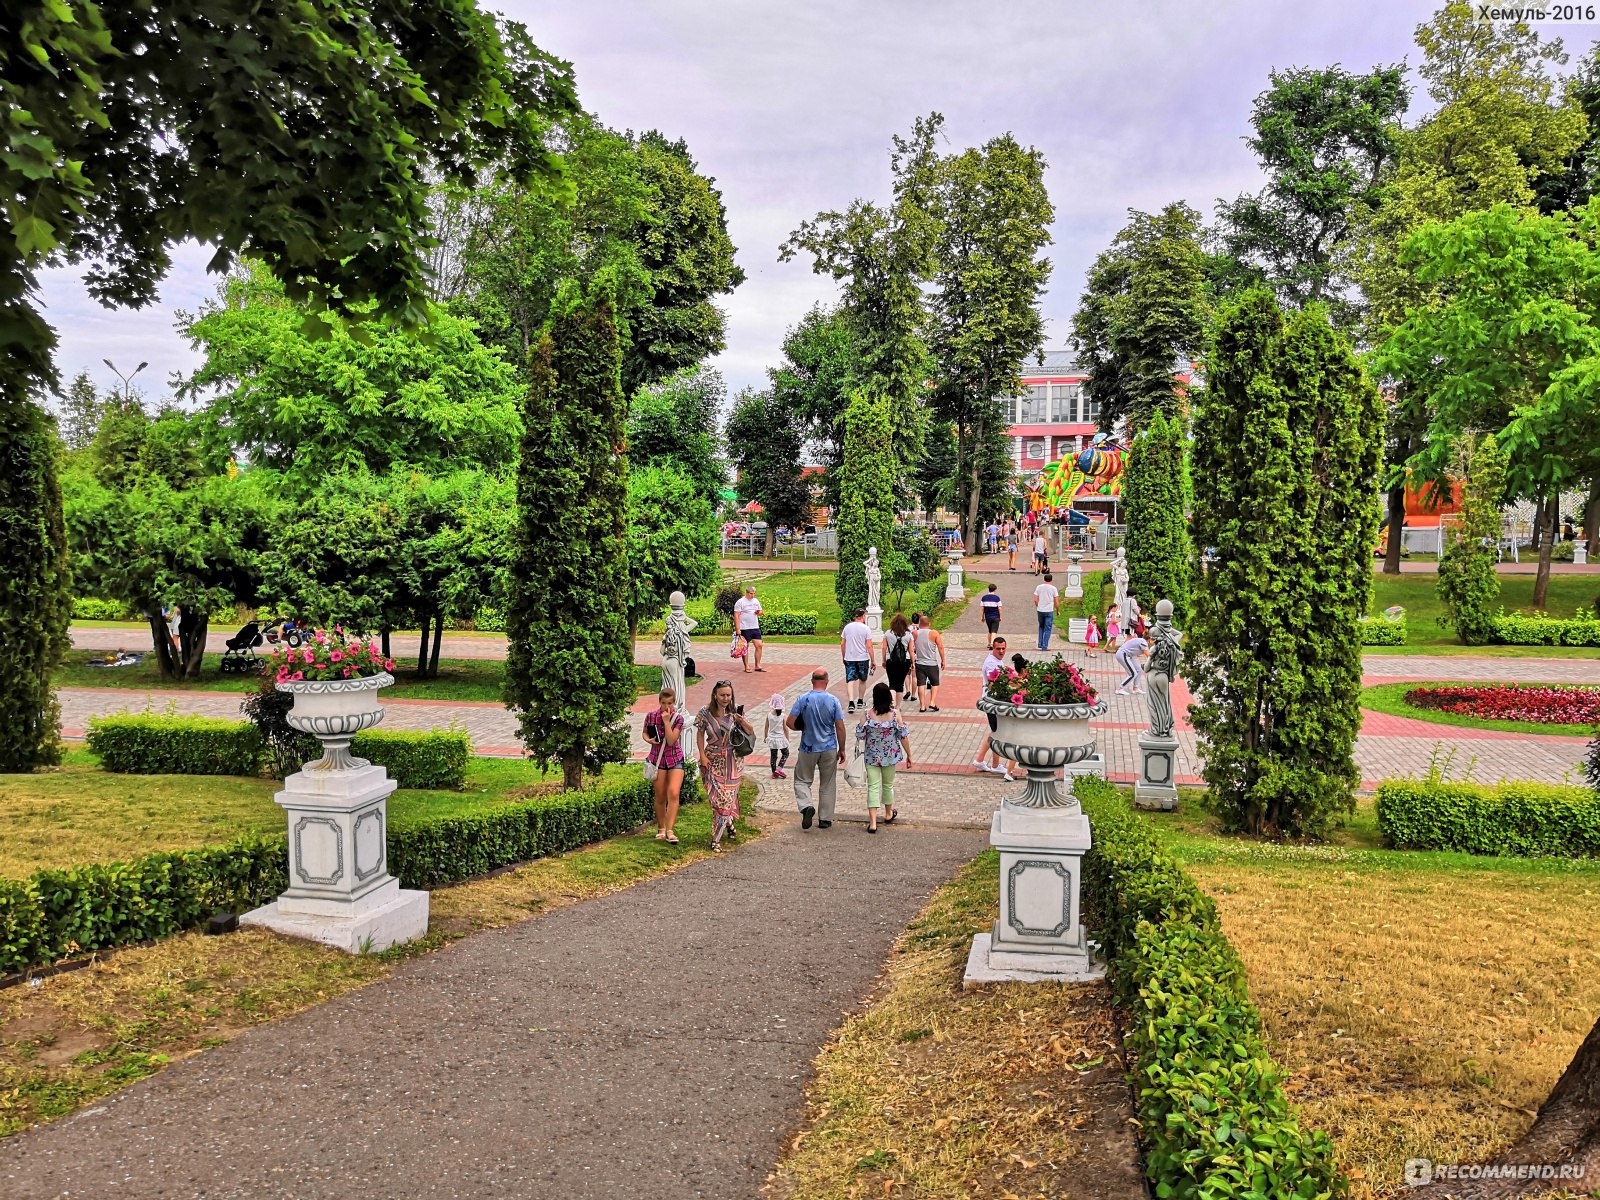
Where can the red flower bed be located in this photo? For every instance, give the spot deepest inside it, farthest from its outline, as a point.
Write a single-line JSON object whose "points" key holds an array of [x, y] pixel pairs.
{"points": [[1511, 702]]}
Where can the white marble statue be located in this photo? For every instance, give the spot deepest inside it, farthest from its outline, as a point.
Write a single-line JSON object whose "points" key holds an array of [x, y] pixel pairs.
{"points": [[675, 650], [1165, 656], [874, 577], [1119, 578]]}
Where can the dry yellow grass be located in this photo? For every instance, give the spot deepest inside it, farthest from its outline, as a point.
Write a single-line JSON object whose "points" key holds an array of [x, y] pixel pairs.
{"points": [[1418, 1013], [1016, 1090], [82, 1034]]}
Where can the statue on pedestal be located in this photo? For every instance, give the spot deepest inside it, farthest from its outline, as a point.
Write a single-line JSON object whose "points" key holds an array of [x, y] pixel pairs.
{"points": [[874, 575], [675, 649], [1119, 578], [1165, 655]]}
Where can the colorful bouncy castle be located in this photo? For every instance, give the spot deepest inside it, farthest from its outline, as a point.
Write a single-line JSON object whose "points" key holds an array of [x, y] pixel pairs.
{"points": [[1093, 476]]}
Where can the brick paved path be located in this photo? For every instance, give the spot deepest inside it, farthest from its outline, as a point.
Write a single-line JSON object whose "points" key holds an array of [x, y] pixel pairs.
{"points": [[944, 788]]}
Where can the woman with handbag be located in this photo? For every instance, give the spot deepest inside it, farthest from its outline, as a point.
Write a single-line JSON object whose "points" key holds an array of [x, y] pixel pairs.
{"points": [[663, 766], [725, 739], [885, 744]]}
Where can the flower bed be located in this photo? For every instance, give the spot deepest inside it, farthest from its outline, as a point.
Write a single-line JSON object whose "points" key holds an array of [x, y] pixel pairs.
{"points": [[1542, 704]]}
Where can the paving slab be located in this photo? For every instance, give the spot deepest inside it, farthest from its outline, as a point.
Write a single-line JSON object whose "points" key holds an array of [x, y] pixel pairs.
{"points": [[652, 1043]]}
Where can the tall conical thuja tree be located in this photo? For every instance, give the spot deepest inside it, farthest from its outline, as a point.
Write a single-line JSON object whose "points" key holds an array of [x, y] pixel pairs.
{"points": [[569, 666], [35, 603], [1158, 534], [1284, 475], [866, 497]]}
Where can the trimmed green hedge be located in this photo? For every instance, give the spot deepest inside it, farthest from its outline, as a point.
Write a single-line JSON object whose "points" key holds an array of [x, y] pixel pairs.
{"points": [[160, 744], [1214, 1117], [1514, 629], [1531, 819], [1380, 631], [88, 608], [930, 594], [56, 914], [428, 758]]}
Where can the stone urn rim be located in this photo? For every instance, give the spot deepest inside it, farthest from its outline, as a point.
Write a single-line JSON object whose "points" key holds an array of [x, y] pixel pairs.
{"points": [[1078, 711], [329, 687]]}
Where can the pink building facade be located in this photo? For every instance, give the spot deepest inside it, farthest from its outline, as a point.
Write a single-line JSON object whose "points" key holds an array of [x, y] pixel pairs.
{"points": [[1053, 418]]}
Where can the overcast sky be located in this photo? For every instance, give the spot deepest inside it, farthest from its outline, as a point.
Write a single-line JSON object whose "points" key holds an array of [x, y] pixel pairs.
{"points": [[790, 107]]}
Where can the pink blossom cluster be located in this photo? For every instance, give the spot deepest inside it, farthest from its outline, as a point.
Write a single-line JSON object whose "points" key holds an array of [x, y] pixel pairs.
{"points": [[329, 654], [1053, 682]]}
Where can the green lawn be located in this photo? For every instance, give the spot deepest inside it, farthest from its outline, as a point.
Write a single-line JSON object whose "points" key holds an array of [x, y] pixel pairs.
{"points": [[1391, 698], [1418, 595], [80, 813]]}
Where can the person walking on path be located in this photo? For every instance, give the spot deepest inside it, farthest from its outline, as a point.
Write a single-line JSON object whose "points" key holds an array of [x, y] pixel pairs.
{"points": [[897, 654], [1091, 636], [819, 719], [992, 666], [1044, 603], [1131, 659], [1113, 628], [1011, 546], [747, 620], [776, 738], [992, 537], [860, 660], [663, 729], [721, 764], [928, 651], [1041, 554], [885, 745], [990, 610]]}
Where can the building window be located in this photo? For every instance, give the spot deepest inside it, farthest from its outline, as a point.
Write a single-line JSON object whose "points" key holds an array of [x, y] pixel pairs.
{"points": [[1035, 406], [1036, 450], [1093, 411], [1066, 401]]}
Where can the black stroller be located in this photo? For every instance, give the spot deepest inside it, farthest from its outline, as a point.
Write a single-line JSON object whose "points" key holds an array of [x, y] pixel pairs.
{"points": [[239, 653]]}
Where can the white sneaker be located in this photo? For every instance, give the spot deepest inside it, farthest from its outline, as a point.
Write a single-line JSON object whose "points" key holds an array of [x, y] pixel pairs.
{"points": [[982, 766], [1122, 691], [1009, 777]]}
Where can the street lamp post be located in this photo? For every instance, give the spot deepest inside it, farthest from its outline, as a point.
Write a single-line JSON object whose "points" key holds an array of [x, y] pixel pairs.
{"points": [[127, 380]]}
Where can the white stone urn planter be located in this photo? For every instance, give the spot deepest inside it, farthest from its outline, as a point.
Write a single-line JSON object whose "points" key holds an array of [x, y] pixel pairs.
{"points": [[334, 711], [1044, 738]]}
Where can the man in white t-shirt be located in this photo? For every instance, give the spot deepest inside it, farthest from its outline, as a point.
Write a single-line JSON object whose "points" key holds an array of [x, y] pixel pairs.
{"points": [[855, 644], [1041, 554], [1044, 602], [993, 665], [747, 619]]}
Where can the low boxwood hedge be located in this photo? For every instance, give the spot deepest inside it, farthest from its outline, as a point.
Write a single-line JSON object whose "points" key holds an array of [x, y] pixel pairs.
{"points": [[1212, 1109], [89, 608], [1380, 631], [1528, 819], [56, 914], [423, 758], [1515, 629], [163, 744]]}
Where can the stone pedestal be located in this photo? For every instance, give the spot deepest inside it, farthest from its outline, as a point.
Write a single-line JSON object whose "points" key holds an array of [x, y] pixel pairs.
{"points": [[953, 585], [1039, 935], [1580, 553], [1094, 765], [875, 624], [1157, 787], [1074, 588], [340, 890]]}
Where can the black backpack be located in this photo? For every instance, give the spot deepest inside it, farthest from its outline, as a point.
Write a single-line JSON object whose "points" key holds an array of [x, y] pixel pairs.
{"points": [[898, 653]]}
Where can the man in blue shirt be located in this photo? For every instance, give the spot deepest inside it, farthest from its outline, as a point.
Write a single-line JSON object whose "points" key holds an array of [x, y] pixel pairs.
{"points": [[819, 718]]}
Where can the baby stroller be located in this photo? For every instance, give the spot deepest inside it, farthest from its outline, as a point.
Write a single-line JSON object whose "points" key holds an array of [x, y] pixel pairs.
{"points": [[239, 652]]}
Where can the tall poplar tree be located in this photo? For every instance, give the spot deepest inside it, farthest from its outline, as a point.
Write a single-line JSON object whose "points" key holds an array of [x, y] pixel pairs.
{"points": [[569, 665], [1283, 484], [866, 506], [1152, 498]]}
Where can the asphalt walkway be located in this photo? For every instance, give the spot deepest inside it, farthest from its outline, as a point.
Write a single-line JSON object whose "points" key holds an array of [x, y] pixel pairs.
{"points": [[652, 1043]]}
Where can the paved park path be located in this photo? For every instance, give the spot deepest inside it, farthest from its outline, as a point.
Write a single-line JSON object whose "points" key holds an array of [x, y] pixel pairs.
{"points": [[652, 1043]]}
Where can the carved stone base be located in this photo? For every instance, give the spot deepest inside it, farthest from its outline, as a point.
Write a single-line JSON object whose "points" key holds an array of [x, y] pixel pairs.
{"points": [[1157, 788], [988, 965], [875, 624], [1041, 859], [387, 917]]}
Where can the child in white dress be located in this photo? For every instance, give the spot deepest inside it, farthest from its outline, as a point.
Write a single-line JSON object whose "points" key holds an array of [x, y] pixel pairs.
{"points": [[777, 738]]}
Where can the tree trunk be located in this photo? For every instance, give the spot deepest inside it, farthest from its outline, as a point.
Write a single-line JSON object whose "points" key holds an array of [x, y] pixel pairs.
{"points": [[161, 643], [422, 653], [572, 773], [1397, 520], [1591, 515], [766, 550], [192, 631], [1565, 1137], [438, 636], [386, 653], [1547, 523], [975, 495]]}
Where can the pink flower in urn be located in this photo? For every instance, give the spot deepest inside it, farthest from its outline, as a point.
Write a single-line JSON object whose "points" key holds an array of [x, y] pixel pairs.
{"points": [[388, 664], [297, 676], [1016, 697], [322, 637], [374, 649], [336, 656]]}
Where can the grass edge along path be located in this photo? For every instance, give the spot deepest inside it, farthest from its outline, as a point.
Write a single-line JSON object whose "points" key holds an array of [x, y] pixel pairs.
{"points": [[80, 1035], [934, 1092], [1390, 698]]}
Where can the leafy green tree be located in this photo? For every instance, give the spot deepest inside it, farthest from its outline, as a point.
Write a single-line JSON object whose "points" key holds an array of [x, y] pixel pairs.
{"points": [[1283, 484], [367, 394], [1143, 312], [1469, 586], [866, 509], [113, 452], [172, 449], [766, 443], [994, 217], [78, 412], [1326, 140], [673, 539], [569, 672], [673, 425], [814, 382], [1153, 499], [882, 256], [1511, 348]]}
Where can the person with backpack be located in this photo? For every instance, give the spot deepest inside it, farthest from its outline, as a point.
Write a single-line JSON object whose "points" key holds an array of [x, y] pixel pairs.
{"points": [[897, 654]]}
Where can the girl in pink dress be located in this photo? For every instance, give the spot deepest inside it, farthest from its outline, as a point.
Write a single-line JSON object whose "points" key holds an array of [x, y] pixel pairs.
{"points": [[1091, 636], [1113, 628]]}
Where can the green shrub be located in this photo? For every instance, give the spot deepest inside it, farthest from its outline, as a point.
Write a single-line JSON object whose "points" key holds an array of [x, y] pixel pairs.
{"points": [[1516, 629], [1532, 819], [56, 914], [930, 595], [1380, 631], [726, 597], [1098, 596], [88, 608], [1212, 1110], [162, 744], [423, 758], [801, 621]]}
